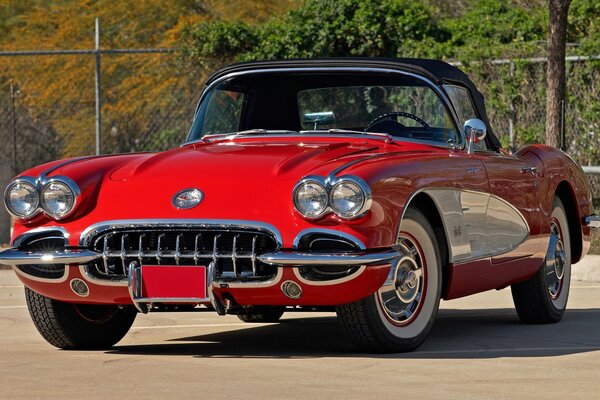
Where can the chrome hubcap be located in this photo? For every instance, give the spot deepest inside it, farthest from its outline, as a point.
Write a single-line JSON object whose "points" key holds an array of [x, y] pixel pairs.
{"points": [[402, 292], [556, 261]]}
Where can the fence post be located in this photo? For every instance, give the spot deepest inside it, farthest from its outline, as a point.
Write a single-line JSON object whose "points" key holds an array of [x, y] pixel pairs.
{"points": [[98, 100], [511, 118], [13, 117]]}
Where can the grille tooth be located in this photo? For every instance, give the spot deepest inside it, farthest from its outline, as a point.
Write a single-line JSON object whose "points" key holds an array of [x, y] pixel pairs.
{"points": [[234, 255], [123, 254], [253, 257], [159, 247], [141, 248], [197, 244], [105, 253], [177, 254], [215, 250], [233, 252]]}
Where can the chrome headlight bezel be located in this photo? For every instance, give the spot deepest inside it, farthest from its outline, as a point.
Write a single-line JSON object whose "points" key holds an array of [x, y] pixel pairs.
{"points": [[67, 183], [329, 184], [39, 185], [363, 189], [318, 182], [28, 181]]}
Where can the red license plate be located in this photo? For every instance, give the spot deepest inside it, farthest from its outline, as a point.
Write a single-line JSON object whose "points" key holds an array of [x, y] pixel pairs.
{"points": [[174, 282]]}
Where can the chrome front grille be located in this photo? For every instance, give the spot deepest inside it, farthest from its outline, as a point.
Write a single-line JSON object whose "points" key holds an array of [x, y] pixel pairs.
{"points": [[232, 252]]}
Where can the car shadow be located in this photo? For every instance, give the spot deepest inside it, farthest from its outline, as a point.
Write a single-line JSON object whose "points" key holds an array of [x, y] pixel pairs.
{"points": [[457, 334]]}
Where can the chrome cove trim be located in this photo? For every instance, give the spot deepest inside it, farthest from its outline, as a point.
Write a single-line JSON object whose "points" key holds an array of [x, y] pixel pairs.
{"points": [[44, 280], [107, 226], [593, 221], [294, 258], [329, 183], [68, 256], [332, 232], [441, 93], [305, 281], [477, 224]]}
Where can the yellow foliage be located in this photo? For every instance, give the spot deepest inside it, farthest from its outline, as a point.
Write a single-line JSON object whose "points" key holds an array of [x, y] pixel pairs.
{"points": [[137, 89]]}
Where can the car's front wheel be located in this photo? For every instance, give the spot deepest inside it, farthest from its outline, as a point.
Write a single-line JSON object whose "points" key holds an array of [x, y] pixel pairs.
{"points": [[78, 326], [399, 316], [542, 299]]}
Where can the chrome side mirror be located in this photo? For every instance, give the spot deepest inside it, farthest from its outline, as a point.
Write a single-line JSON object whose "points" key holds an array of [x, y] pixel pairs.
{"points": [[475, 131]]}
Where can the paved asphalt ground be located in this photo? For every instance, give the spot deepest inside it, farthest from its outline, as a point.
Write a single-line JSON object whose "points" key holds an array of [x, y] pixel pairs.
{"points": [[477, 350]]}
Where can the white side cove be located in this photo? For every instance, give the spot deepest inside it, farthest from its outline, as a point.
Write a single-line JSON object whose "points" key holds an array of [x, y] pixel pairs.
{"points": [[478, 224]]}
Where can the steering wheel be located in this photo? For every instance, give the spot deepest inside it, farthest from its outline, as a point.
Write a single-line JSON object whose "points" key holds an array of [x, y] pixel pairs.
{"points": [[391, 116]]}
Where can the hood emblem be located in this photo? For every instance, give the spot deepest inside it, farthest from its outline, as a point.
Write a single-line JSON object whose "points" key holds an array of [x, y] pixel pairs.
{"points": [[187, 198]]}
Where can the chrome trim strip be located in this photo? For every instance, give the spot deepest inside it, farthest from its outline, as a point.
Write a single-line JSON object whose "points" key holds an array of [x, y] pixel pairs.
{"points": [[305, 281], [294, 258], [14, 256], [62, 164], [44, 280], [441, 93], [593, 221], [333, 232], [105, 226]]}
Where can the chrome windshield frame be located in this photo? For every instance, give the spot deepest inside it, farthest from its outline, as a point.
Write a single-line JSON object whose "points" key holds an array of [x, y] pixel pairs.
{"points": [[437, 89]]}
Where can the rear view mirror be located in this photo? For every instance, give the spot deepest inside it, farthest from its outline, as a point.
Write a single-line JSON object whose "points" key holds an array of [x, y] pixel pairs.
{"points": [[319, 118]]}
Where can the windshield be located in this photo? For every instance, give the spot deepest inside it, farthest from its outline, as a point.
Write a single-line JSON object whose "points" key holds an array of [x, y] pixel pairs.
{"points": [[401, 106]]}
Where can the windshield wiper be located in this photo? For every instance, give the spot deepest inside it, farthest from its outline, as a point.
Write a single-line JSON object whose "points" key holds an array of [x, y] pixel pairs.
{"points": [[248, 132], [387, 137], [264, 132]]}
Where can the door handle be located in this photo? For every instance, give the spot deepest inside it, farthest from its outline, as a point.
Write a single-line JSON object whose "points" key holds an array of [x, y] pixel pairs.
{"points": [[529, 170], [473, 170]]}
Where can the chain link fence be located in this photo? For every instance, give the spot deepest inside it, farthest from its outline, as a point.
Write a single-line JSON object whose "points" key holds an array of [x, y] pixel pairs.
{"points": [[48, 105]]}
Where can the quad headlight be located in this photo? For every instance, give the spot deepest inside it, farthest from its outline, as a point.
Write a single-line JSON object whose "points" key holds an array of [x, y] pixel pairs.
{"points": [[21, 199], [26, 196], [347, 196], [58, 199], [310, 198]]}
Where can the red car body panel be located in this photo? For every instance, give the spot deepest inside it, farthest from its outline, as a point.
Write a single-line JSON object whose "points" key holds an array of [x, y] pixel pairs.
{"points": [[140, 186]]}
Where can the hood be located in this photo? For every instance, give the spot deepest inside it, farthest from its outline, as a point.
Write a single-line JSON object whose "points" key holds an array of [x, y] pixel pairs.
{"points": [[241, 179], [245, 159]]}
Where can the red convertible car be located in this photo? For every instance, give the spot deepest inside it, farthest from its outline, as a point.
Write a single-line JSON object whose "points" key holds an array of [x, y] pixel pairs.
{"points": [[375, 186]]}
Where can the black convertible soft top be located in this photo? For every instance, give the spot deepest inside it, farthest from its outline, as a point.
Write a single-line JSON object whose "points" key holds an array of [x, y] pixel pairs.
{"points": [[437, 71]]}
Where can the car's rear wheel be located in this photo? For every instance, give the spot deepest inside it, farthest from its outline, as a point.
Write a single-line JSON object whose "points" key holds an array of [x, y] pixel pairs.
{"points": [[78, 326], [399, 316], [542, 299], [262, 314]]}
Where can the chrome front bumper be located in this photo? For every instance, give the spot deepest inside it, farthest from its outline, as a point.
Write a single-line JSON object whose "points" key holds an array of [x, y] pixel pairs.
{"points": [[15, 256]]}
